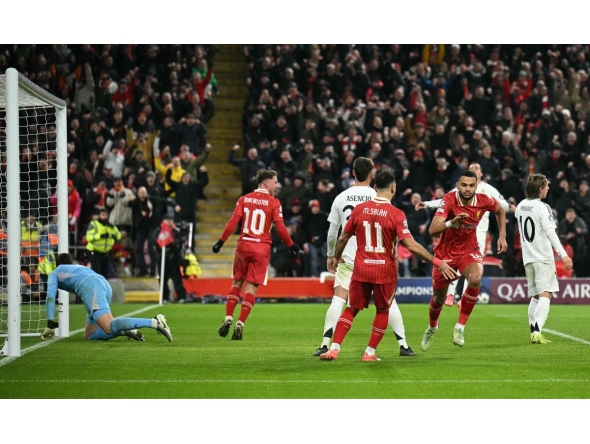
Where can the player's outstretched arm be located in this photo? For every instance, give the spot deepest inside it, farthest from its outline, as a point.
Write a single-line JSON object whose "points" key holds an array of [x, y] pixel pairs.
{"points": [[428, 204], [418, 250], [501, 217]]}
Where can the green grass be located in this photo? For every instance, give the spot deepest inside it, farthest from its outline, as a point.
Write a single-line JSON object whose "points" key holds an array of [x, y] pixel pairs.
{"points": [[274, 360]]}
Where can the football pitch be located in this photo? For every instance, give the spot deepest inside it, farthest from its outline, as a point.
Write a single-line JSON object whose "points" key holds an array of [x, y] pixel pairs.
{"points": [[274, 360]]}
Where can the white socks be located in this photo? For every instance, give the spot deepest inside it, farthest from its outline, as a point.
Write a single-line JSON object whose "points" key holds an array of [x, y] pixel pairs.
{"points": [[332, 316], [532, 308], [452, 287], [542, 312], [396, 323]]}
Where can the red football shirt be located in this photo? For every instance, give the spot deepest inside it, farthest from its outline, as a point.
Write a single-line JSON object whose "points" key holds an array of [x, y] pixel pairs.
{"points": [[257, 211], [378, 226], [463, 240]]}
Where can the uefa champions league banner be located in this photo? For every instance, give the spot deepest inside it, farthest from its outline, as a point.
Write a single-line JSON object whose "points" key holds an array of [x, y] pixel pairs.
{"points": [[515, 291], [419, 289]]}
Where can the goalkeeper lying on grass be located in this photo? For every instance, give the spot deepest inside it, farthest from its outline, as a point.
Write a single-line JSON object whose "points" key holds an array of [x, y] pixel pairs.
{"points": [[95, 292]]}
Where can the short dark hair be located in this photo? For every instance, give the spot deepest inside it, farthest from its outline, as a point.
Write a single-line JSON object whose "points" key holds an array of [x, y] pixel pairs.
{"points": [[63, 258], [384, 179], [467, 173], [263, 175], [362, 167]]}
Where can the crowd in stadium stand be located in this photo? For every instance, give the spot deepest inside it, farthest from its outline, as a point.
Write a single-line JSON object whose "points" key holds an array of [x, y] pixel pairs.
{"points": [[137, 122], [137, 145], [427, 112]]}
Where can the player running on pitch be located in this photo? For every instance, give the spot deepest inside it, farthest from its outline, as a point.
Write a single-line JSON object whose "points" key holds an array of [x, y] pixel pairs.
{"points": [[456, 220], [484, 223]]}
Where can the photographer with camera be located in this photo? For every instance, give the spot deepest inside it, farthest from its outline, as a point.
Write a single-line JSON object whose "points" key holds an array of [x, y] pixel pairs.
{"points": [[174, 238]]}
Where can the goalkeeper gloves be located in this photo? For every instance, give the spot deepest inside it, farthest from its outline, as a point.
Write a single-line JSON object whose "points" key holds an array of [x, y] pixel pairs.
{"points": [[295, 250], [218, 246], [49, 332]]}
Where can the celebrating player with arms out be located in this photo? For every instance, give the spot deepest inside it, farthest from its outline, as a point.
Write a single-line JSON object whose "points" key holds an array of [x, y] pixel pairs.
{"points": [[378, 226], [257, 211], [456, 219], [537, 236]]}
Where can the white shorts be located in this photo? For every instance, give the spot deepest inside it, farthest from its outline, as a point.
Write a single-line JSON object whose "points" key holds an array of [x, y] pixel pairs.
{"points": [[541, 277], [481, 241], [343, 275]]}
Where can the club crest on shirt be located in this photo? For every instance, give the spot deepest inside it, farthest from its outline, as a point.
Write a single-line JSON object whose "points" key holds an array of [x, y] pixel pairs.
{"points": [[478, 213]]}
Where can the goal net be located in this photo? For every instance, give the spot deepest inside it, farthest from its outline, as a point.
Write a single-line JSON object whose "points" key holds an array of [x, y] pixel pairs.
{"points": [[33, 208]]}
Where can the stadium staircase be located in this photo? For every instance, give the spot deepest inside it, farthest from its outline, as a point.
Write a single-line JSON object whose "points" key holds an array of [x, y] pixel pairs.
{"points": [[224, 131]]}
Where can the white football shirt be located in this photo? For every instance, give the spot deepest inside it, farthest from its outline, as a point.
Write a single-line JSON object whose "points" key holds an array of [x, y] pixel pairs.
{"points": [[534, 217], [340, 213]]}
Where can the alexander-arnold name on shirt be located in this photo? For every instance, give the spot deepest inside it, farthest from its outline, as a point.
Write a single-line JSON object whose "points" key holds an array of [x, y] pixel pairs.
{"points": [[255, 201]]}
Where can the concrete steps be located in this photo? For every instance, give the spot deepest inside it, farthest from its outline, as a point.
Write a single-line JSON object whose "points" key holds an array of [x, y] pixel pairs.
{"points": [[224, 131]]}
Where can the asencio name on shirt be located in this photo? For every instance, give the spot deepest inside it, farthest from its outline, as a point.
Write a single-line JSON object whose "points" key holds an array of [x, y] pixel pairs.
{"points": [[375, 212], [255, 201], [357, 198]]}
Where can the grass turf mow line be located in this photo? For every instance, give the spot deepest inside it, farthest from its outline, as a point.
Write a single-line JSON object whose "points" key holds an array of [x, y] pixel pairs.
{"points": [[286, 381]]}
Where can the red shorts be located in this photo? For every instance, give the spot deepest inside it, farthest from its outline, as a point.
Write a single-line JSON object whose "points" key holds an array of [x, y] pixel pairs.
{"points": [[359, 294], [461, 263], [251, 267]]}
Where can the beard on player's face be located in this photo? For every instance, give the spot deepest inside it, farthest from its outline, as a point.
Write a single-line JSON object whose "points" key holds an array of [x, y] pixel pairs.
{"points": [[467, 194]]}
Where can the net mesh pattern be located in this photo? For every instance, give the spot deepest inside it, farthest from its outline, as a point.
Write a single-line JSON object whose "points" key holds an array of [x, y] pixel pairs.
{"points": [[38, 210]]}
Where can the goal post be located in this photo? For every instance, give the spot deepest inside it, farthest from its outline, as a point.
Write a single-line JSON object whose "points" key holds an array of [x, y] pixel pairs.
{"points": [[34, 121]]}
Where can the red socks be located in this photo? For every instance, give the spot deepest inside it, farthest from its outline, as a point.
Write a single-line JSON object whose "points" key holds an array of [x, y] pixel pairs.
{"points": [[379, 328], [434, 312], [468, 301], [233, 297], [343, 325], [247, 304]]}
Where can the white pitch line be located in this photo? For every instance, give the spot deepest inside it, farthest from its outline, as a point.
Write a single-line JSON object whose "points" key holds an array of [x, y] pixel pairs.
{"points": [[287, 381], [553, 332], [24, 351], [563, 335]]}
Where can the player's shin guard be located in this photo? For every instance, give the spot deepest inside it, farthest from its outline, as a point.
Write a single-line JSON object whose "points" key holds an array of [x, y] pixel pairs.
{"points": [[333, 314], [468, 301], [233, 298], [434, 311], [247, 304], [452, 287], [542, 312], [531, 313], [396, 322], [379, 328], [344, 324]]}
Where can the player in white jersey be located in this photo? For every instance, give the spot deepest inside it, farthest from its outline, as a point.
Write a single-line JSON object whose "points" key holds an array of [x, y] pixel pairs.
{"points": [[484, 223], [339, 214], [537, 236]]}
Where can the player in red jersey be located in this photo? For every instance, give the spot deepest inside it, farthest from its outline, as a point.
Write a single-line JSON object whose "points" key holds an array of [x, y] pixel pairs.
{"points": [[378, 226], [257, 211], [456, 220]]}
